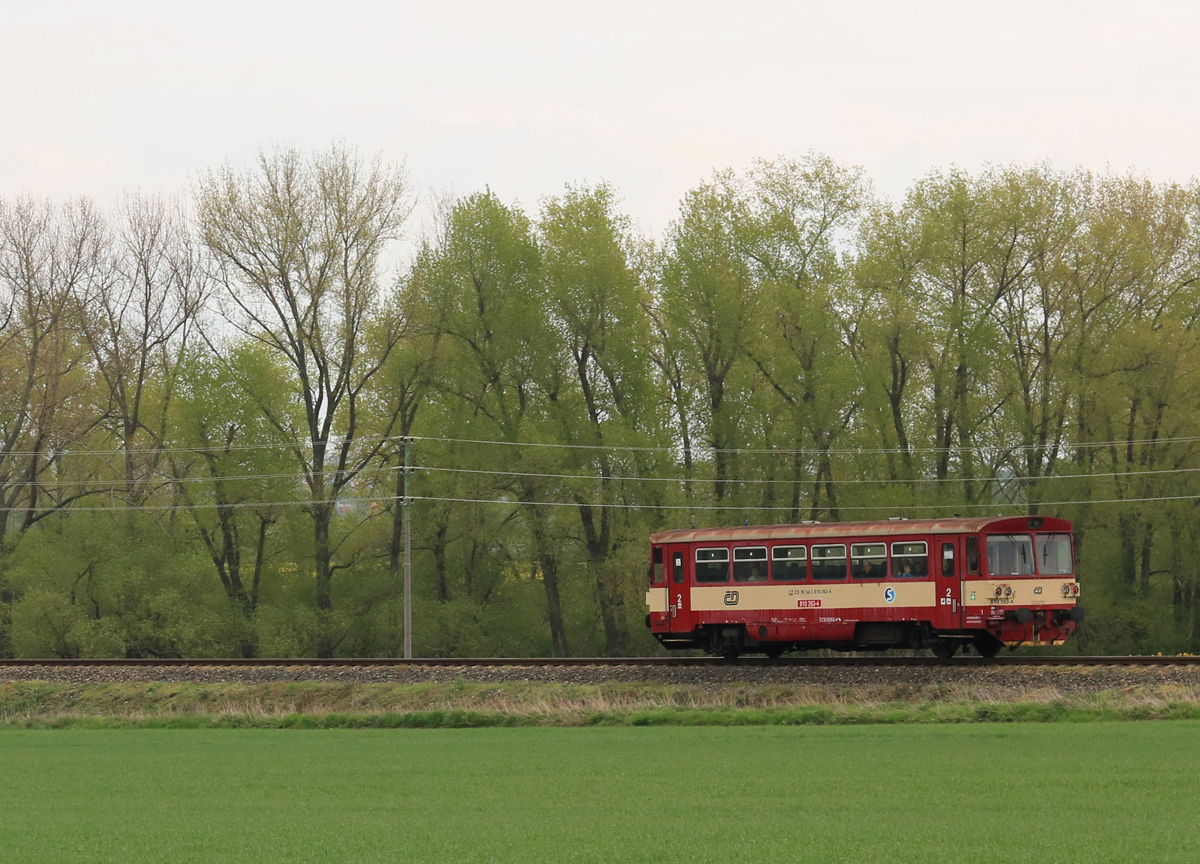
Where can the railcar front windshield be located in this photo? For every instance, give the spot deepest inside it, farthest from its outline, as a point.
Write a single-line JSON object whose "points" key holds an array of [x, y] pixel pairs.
{"points": [[1054, 555], [1010, 555]]}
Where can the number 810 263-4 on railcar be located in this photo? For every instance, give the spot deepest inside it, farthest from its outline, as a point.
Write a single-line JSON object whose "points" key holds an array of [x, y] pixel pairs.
{"points": [[939, 584]]}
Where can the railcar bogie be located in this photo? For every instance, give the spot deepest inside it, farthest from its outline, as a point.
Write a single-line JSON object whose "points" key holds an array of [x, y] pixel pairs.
{"points": [[939, 585]]}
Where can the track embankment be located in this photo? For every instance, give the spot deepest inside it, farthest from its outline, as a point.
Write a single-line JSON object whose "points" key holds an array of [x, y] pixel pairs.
{"points": [[1006, 678], [580, 692], [887, 660]]}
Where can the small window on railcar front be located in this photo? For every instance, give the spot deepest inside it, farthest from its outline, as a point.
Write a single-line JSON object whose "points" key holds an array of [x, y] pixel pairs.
{"points": [[789, 563], [656, 566], [750, 564], [868, 560], [829, 563], [910, 560], [1010, 555], [712, 565], [1054, 555]]}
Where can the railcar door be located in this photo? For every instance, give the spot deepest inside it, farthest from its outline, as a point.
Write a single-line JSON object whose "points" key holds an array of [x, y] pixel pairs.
{"points": [[948, 573], [679, 618]]}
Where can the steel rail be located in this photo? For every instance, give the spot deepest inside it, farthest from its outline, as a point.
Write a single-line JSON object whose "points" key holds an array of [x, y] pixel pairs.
{"points": [[361, 662]]}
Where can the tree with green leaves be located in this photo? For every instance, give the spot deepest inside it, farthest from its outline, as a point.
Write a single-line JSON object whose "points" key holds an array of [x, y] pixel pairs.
{"points": [[484, 280], [595, 306], [709, 297]]}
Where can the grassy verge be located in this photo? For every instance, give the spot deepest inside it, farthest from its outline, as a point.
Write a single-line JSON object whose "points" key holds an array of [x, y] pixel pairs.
{"points": [[1014, 793], [464, 705]]}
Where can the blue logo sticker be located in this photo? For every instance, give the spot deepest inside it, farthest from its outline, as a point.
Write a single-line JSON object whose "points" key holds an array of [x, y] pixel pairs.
{"points": [[889, 595]]}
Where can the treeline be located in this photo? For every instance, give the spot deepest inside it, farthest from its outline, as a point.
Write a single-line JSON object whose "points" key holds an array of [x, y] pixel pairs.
{"points": [[211, 411]]}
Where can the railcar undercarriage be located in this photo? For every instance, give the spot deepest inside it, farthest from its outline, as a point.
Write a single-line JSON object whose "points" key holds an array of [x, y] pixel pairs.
{"points": [[1014, 630]]}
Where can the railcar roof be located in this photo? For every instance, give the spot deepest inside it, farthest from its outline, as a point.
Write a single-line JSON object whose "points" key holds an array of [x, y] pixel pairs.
{"points": [[860, 529]]}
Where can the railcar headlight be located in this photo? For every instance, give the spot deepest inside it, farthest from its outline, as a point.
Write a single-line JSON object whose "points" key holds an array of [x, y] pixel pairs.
{"points": [[999, 591], [1075, 588], [1066, 589], [1007, 591]]}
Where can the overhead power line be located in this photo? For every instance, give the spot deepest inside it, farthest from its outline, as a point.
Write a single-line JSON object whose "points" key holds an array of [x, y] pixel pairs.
{"points": [[753, 451], [348, 502], [219, 452], [771, 481], [746, 509], [779, 451], [161, 479]]}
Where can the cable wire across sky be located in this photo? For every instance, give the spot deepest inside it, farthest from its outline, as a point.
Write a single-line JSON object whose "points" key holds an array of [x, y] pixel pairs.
{"points": [[167, 479], [753, 451], [349, 503]]}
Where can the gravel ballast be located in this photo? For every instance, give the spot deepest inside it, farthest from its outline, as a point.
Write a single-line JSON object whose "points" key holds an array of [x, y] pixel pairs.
{"points": [[1008, 680]]}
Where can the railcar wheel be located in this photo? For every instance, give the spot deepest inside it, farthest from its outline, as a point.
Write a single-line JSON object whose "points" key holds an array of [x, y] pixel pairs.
{"points": [[987, 645], [774, 651], [944, 649], [729, 652]]}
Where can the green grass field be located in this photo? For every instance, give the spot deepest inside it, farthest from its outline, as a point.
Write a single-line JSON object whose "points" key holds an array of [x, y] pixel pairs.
{"points": [[996, 792]]}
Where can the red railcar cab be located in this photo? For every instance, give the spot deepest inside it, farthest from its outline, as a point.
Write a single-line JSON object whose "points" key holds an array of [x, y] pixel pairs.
{"points": [[921, 583]]}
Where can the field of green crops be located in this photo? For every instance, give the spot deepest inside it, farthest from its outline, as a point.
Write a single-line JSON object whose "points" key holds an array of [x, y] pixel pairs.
{"points": [[1044, 793]]}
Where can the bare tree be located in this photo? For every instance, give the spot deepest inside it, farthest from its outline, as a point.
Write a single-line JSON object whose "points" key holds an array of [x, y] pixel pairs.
{"points": [[297, 242], [45, 255], [45, 409], [142, 303]]}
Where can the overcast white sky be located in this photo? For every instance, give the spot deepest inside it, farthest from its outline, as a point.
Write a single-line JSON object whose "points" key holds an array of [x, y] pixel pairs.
{"points": [[96, 98]]}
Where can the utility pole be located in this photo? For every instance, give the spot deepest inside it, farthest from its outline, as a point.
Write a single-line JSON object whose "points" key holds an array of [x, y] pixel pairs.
{"points": [[407, 551]]}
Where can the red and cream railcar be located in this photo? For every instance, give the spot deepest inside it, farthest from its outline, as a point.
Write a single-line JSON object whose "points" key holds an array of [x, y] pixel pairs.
{"points": [[853, 586]]}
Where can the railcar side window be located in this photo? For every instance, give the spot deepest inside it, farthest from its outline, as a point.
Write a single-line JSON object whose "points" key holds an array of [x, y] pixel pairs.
{"points": [[868, 560], [677, 568], [829, 562], [972, 556], [1010, 555], [789, 563], [656, 566], [910, 560], [712, 565], [1054, 555], [750, 564]]}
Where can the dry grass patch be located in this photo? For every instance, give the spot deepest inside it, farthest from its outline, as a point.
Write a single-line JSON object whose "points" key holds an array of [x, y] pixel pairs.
{"points": [[536, 703]]}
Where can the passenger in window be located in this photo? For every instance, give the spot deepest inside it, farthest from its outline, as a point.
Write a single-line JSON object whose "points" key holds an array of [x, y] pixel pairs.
{"points": [[744, 571], [869, 568], [910, 560]]}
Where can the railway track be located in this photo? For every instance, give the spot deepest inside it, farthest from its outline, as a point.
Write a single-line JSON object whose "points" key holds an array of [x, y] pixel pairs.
{"points": [[851, 661]]}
